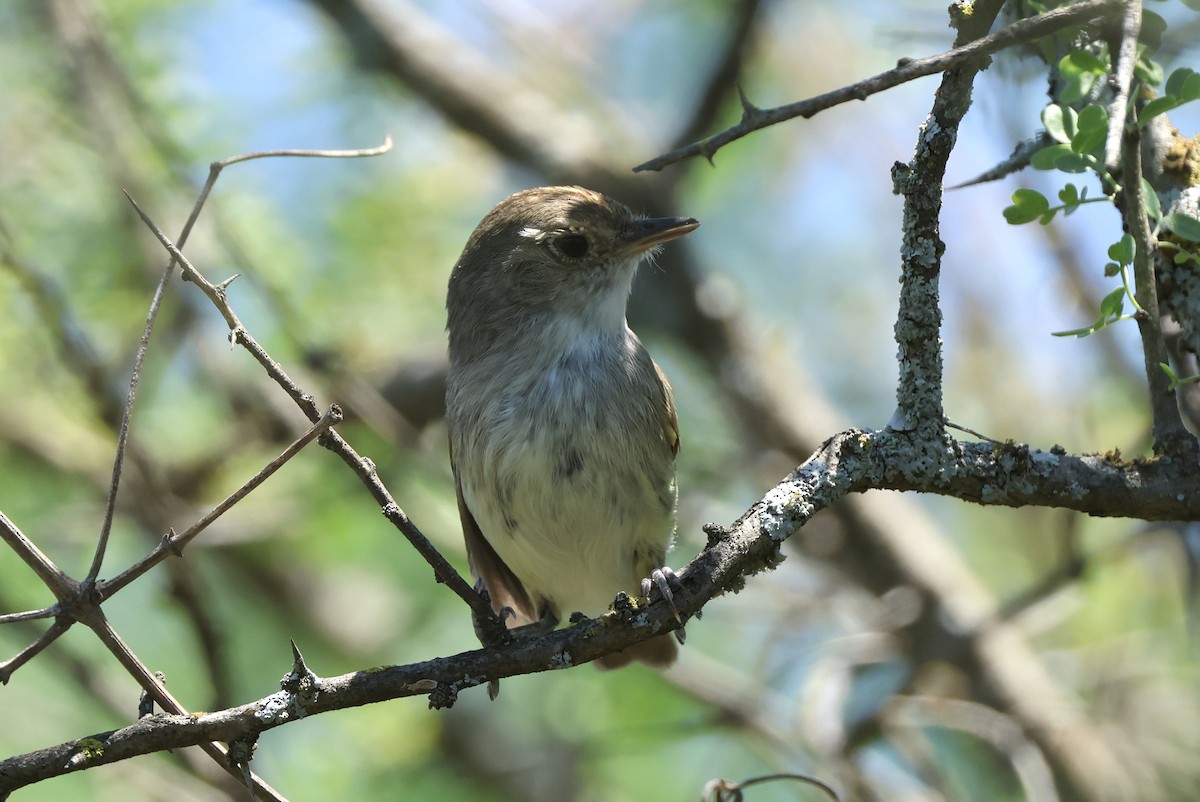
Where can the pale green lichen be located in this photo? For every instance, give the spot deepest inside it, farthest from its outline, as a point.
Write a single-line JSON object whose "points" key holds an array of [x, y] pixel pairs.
{"points": [[91, 748]]}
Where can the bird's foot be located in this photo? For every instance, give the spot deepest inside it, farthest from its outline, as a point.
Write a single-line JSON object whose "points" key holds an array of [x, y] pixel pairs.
{"points": [[662, 580]]}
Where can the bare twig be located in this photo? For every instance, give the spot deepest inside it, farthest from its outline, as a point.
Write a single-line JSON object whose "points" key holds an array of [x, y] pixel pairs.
{"points": [[907, 70], [110, 504], [173, 543], [155, 689], [30, 615], [363, 468], [156, 302], [352, 153], [51, 575], [51, 634], [725, 74], [214, 171], [720, 790], [181, 775]]}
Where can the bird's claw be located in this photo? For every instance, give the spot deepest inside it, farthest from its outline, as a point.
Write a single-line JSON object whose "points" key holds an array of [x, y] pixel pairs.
{"points": [[662, 580]]}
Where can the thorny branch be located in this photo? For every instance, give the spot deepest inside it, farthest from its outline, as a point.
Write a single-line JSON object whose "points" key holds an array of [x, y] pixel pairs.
{"points": [[80, 601], [850, 462], [754, 118], [363, 468], [173, 543], [152, 316]]}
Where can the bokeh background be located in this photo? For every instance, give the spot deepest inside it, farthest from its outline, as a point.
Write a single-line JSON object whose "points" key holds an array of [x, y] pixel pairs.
{"points": [[909, 648]]}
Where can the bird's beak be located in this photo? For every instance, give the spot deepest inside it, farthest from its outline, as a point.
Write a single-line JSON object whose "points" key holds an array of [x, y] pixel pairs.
{"points": [[656, 230]]}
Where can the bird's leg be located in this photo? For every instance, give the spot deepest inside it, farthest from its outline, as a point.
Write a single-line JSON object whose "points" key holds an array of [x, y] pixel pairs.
{"points": [[545, 624], [486, 629]]}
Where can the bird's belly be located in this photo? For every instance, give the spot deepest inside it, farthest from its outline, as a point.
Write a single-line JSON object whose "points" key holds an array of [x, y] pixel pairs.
{"points": [[572, 517]]}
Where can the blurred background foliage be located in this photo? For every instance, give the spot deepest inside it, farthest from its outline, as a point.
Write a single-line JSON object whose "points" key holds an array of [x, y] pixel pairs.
{"points": [[827, 666]]}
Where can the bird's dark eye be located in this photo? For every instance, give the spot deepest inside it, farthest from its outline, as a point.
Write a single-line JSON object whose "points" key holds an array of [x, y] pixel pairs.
{"points": [[572, 246]]}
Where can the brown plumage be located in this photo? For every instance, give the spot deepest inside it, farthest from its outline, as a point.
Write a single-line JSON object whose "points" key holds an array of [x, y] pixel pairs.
{"points": [[563, 432]]}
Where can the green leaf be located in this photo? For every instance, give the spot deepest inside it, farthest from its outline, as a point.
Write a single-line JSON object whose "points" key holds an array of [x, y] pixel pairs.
{"points": [[1179, 77], [1071, 162], [1027, 205], [1053, 120], [1156, 107], [1069, 195], [1086, 141], [1111, 269], [1180, 224], [1093, 118], [1092, 329], [1070, 122], [1148, 72], [1092, 128], [1191, 88], [1122, 252], [1083, 61], [1112, 304], [1111, 307], [1047, 158], [1153, 209], [1153, 28], [1079, 71], [1060, 157]]}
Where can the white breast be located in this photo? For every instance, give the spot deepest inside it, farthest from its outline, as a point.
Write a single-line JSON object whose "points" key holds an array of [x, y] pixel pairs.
{"points": [[567, 471]]}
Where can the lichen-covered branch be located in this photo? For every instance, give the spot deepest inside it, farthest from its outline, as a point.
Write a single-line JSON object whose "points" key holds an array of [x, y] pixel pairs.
{"points": [[851, 461]]}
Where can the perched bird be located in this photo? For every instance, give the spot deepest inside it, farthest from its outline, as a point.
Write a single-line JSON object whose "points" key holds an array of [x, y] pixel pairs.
{"points": [[562, 428]]}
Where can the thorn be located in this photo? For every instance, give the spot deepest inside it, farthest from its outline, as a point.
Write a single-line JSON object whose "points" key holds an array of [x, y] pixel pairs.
{"points": [[168, 541], [240, 753], [298, 665], [749, 110], [301, 677], [245, 767], [221, 287], [146, 701]]}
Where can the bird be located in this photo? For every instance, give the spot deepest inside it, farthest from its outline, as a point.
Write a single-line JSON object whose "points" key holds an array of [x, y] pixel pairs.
{"points": [[563, 430]]}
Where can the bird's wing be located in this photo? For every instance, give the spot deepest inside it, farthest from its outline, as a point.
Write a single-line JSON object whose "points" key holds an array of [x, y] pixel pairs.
{"points": [[487, 568], [670, 419]]}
